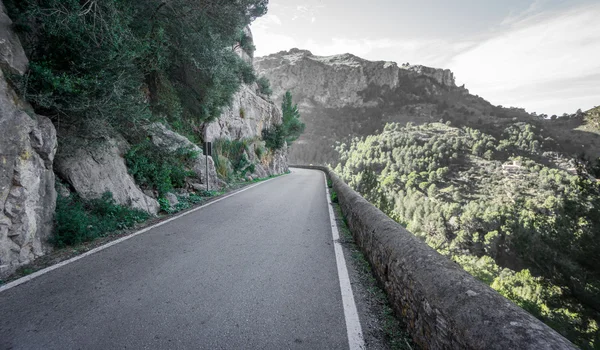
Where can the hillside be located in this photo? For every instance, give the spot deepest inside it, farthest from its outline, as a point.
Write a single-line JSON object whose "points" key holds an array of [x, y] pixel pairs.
{"points": [[344, 96], [520, 218]]}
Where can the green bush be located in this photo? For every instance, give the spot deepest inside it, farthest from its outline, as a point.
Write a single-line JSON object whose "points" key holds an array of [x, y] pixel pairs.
{"points": [[154, 168], [532, 234], [77, 221], [274, 137]]}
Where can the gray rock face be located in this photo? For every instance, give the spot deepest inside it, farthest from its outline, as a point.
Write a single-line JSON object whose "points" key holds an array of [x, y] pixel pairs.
{"points": [[335, 81], [12, 56], [93, 166], [162, 137], [27, 195], [248, 115], [444, 77], [246, 118]]}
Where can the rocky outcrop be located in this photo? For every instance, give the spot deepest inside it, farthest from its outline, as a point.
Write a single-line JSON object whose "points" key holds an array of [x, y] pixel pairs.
{"points": [[334, 81], [27, 195], [247, 116], [12, 55], [162, 137], [444, 77], [94, 165]]}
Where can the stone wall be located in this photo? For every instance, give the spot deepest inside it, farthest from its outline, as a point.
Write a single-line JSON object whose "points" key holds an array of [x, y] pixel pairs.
{"points": [[444, 306]]}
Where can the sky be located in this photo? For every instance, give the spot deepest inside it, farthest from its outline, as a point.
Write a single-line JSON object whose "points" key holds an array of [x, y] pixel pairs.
{"points": [[541, 55]]}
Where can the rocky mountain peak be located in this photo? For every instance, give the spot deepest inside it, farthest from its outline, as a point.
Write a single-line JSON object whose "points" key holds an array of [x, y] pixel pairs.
{"points": [[339, 80], [444, 77]]}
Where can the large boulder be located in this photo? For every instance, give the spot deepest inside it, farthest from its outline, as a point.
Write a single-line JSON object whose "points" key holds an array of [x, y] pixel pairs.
{"points": [[27, 195], [94, 165], [163, 137]]}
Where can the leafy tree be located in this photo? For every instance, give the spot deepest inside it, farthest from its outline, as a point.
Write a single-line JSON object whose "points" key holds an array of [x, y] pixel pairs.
{"points": [[292, 125], [290, 128]]}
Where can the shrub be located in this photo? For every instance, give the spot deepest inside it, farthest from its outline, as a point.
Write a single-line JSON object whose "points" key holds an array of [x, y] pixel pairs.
{"points": [[274, 137], [259, 151], [78, 221], [154, 168]]}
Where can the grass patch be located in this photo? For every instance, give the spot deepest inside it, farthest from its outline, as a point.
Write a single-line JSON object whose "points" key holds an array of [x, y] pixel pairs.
{"points": [[78, 220], [334, 197]]}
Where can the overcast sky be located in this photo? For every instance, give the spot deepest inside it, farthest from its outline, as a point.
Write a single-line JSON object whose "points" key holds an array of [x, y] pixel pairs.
{"points": [[542, 55]]}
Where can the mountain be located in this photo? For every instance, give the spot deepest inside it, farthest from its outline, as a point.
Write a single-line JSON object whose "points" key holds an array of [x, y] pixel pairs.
{"points": [[344, 96]]}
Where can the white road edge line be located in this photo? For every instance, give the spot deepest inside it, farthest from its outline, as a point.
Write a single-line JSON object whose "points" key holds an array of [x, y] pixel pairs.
{"points": [[355, 335], [110, 244]]}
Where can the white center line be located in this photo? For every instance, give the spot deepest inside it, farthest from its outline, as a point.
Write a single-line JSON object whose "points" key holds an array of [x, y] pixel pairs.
{"points": [[355, 336]]}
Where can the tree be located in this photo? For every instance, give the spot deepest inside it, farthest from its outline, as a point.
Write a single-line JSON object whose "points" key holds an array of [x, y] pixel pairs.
{"points": [[292, 125]]}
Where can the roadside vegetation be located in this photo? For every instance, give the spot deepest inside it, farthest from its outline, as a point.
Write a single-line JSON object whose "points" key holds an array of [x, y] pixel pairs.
{"points": [[78, 221], [289, 130], [522, 219]]}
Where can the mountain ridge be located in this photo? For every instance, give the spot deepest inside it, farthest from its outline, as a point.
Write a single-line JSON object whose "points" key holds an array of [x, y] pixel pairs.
{"points": [[344, 96]]}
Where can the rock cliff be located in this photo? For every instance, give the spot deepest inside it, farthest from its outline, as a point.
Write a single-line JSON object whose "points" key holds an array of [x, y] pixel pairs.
{"points": [[248, 115], [27, 148]]}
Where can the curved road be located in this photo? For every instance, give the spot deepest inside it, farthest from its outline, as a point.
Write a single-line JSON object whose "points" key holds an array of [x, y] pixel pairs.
{"points": [[256, 270]]}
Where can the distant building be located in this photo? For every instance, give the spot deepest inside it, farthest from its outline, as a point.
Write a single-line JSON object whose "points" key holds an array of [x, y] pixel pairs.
{"points": [[512, 167]]}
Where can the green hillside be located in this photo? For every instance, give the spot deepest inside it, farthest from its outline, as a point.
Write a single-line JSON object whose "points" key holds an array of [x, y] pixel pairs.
{"points": [[521, 218]]}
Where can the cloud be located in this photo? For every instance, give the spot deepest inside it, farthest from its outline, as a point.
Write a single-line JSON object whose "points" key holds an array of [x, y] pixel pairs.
{"points": [[534, 8], [532, 57]]}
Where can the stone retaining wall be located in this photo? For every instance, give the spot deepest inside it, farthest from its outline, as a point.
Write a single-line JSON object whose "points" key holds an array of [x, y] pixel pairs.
{"points": [[444, 306]]}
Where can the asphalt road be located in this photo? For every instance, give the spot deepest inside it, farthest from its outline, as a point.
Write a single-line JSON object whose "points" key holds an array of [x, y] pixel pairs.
{"points": [[253, 271]]}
